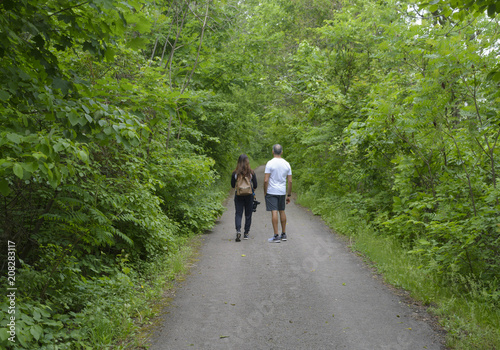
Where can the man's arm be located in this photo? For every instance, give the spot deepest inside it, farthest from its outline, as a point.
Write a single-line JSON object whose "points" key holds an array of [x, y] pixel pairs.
{"points": [[289, 189], [266, 182]]}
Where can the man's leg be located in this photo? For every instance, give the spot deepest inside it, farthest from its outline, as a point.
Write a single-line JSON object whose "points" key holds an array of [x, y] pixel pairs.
{"points": [[274, 214], [283, 221], [272, 206]]}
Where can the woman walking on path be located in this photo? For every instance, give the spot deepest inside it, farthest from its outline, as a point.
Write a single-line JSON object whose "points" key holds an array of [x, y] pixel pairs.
{"points": [[243, 201]]}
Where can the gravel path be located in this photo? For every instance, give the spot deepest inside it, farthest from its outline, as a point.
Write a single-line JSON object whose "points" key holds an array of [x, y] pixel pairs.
{"points": [[310, 293]]}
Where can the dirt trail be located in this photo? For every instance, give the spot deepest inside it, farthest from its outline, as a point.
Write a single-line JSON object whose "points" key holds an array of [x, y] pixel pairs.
{"points": [[310, 293]]}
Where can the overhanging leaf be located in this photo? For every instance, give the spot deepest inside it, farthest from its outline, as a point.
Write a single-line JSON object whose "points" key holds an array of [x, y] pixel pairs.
{"points": [[18, 170]]}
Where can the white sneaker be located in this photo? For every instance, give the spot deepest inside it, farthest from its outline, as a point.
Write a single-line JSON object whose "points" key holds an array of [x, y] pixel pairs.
{"points": [[275, 239]]}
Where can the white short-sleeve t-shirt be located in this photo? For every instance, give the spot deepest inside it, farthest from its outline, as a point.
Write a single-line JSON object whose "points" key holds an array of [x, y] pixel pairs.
{"points": [[279, 170]]}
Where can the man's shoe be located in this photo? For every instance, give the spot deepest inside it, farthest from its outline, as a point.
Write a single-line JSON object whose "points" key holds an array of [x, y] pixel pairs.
{"points": [[283, 236], [245, 236], [275, 239], [238, 236]]}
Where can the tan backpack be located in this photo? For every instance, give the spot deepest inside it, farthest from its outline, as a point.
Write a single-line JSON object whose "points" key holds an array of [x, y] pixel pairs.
{"points": [[243, 186]]}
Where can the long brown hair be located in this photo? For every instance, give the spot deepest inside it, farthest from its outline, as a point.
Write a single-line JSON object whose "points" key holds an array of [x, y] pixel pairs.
{"points": [[243, 166]]}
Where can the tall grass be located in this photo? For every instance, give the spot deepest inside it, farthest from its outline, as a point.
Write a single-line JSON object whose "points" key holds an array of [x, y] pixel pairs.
{"points": [[159, 283], [470, 321]]}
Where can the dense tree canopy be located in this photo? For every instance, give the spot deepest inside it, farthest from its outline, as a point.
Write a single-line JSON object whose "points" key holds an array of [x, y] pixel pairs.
{"points": [[120, 121]]}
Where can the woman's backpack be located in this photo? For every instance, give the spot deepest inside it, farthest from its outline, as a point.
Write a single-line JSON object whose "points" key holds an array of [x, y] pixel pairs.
{"points": [[243, 186]]}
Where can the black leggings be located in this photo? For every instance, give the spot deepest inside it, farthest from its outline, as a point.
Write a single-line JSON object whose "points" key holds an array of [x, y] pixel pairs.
{"points": [[240, 203]]}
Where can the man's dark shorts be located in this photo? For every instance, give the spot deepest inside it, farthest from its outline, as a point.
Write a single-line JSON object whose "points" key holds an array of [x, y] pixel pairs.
{"points": [[275, 202]]}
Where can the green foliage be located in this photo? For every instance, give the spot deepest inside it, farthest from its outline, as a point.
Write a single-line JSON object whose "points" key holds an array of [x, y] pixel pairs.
{"points": [[477, 7], [111, 307], [109, 157], [391, 112], [120, 122], [399, 119]]}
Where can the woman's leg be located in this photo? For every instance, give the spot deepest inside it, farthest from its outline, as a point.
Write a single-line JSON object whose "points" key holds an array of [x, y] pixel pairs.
{"points": [[238, 205], [248, 212]]}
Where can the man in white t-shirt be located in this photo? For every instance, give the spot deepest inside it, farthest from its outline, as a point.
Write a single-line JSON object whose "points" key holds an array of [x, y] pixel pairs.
{"points": [[277, 191]]}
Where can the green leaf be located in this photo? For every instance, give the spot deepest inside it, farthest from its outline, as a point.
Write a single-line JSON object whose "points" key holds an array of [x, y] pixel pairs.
{"points": [[24, 339], [30, 167], [494, 75], [423, 242], [14, 138], [83, 156], [39, 155], [63, 85], [4, 95], [4, 187], [492, 10], [137, 43], [4, 334], [36, 331], [110, 54], [74, 118], [433, 8], [18, 170], [53, 181], [36, 315]]}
